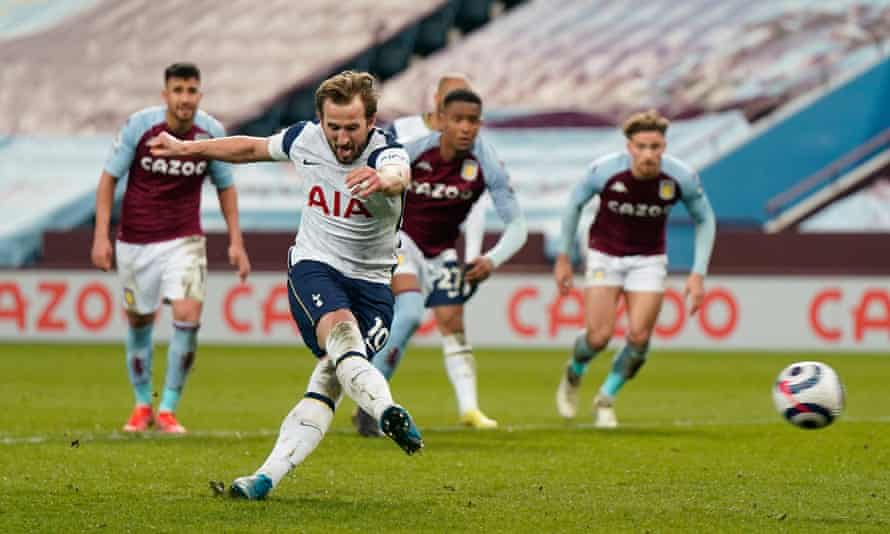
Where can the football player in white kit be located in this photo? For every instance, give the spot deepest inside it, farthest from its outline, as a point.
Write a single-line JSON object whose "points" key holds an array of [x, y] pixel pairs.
{"points": [[340, 265]]}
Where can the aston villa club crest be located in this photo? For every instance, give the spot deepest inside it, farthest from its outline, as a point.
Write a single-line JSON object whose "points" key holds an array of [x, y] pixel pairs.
{"points": [[666, 190], [469, 170]]}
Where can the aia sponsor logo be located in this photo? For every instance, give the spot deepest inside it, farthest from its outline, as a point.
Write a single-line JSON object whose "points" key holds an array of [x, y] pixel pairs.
{"points": [[173, 167], [338, 205]]}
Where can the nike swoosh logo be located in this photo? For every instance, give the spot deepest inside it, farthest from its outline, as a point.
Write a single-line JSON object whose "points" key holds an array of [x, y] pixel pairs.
{"points": [[310, 163]]}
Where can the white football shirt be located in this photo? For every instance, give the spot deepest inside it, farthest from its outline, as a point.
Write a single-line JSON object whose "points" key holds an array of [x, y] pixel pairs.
{"points": [[353, 235]]}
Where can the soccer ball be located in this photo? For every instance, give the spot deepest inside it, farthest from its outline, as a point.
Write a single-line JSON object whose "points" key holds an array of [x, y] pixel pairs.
{"points": [[809, 394]]}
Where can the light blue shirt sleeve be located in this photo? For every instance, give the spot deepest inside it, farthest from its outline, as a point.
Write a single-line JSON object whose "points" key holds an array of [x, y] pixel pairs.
{"points": [[696, 201], [497, 182], [220, 172], [590, 185], [124, 147], [419, 146]]}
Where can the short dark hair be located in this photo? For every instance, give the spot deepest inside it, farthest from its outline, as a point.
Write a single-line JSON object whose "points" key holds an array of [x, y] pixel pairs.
{"points": [[342, 88], [182, 70], [461, 95]]}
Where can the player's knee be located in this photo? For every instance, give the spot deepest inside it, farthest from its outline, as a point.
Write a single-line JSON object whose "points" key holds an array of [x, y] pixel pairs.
{"points": [[451, 324], [344, 339], [187, 310], [639, 337], [598, 338]]}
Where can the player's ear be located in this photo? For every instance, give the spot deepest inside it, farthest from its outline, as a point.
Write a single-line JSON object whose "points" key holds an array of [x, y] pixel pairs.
{"points": [[372, 120]]}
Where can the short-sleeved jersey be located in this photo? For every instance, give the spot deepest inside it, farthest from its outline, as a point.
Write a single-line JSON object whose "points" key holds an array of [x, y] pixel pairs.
{"points": [[633, 211], [353, 235], [163, 196], [443, 192]]}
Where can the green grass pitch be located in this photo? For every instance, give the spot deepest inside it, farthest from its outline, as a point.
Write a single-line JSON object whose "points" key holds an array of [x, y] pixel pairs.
{"points": [[700, 449]]}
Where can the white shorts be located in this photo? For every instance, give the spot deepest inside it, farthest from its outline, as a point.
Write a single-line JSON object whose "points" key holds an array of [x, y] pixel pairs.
{"points": [[633, 273], [172, 270], [441, 273]]}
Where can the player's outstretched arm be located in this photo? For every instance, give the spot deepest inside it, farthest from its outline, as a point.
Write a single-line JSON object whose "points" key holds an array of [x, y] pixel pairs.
{"points": [[102, 251], [234, 149]]}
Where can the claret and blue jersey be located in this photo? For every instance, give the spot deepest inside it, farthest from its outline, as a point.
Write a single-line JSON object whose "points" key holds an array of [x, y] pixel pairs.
{"points": [[633, 211], [162, 200], [443, 192]]}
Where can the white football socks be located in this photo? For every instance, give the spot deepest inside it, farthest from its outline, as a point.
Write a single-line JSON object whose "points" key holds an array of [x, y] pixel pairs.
{"points": [[461, 368], [300, 434], [360, 380]]}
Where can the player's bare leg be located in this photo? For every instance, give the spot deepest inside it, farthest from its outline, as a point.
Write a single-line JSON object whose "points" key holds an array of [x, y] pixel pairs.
{"points": [[461, 366], [642, 312], [601, 308], [139, 361], [180, 360]]}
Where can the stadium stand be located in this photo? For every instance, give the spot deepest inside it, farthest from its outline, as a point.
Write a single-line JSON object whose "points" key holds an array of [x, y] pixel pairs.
{"points": [[18, 18], [865, 210], [45, 183], [721, 73], [89, 71], [600, 58]]}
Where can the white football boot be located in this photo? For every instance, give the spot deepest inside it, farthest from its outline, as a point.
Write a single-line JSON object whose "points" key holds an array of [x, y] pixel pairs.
{"points": [[567, 393], [605, 414]]}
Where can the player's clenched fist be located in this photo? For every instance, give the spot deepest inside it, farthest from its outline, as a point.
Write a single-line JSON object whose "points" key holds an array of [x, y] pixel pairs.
{"points": [[363, 182], [166, 145], [101, 253]]}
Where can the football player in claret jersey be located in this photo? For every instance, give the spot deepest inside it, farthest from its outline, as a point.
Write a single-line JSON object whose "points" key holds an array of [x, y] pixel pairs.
{"points": [[450, 170], [626, 254], [161, 254], [407, 129], [416, 126], [340, 265]]}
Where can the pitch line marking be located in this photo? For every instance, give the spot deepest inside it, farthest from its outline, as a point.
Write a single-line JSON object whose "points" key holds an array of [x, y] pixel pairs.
{"points": [[271, 433]]}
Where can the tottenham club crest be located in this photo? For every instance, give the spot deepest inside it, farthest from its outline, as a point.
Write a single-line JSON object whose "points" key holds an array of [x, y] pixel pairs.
{"points": [[469, 170], [666, 190]]}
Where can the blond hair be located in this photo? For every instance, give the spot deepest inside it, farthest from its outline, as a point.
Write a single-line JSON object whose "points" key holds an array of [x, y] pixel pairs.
{"points": [[645, 121], [342, 88]]}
